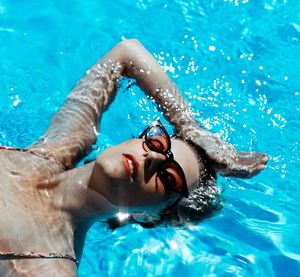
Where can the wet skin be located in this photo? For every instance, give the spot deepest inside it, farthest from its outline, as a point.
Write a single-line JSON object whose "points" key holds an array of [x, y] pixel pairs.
{"points": [[43, 206], [52, 200], [142, 188]]}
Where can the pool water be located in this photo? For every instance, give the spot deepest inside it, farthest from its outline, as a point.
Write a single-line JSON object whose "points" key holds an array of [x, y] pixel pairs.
{"points": [[236, 61]]}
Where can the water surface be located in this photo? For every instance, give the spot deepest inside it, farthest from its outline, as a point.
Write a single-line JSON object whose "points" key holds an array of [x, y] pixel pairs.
{"points": [[236, 61]]}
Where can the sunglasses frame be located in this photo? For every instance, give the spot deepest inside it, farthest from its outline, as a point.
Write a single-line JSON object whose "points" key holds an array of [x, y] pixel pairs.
{"points": [[170, 157]]}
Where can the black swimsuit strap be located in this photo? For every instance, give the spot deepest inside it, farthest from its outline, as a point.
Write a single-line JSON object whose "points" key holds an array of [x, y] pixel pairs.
{"points": [[4, 255]]}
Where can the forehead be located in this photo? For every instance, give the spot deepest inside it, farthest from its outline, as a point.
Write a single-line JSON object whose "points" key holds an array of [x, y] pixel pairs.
{"points": [[187, 159]]}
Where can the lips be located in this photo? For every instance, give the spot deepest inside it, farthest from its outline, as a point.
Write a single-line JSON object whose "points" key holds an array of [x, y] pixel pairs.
{"points": [[131, 165]]}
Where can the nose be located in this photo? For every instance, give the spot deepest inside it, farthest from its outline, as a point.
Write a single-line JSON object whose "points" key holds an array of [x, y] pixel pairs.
{"points": [[152, 161]]}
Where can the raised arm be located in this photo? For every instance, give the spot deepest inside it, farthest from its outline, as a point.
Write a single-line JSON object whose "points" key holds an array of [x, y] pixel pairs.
{"points": [[75, 127]]}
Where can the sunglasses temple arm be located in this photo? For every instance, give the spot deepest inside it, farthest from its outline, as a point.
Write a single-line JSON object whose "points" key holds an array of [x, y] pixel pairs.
{"points": [[143, 133]]}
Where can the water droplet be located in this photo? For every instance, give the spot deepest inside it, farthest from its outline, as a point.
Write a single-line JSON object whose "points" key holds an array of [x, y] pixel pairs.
{"points": [[212, 48], [258, 82]]}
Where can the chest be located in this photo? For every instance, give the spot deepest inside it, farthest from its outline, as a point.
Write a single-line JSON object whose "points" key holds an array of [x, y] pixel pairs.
{"points": [[37, 268], [28, 217]]}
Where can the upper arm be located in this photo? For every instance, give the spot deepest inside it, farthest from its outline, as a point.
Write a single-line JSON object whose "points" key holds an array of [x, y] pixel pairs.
{"points": [[74, 127]]}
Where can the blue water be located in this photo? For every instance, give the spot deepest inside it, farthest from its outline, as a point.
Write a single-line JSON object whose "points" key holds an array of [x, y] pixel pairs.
{"points": [[236, 61]]}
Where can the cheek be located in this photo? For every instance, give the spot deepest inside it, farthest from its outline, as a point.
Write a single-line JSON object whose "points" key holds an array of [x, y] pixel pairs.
{"points": [[111, 166], [154, 188]]}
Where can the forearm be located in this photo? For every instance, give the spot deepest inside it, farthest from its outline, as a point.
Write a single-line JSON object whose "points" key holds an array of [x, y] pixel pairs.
{"points": [[141, 65]]}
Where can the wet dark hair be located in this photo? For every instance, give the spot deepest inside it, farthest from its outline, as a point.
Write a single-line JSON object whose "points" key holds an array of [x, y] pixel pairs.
{"points": [[203, 201]]}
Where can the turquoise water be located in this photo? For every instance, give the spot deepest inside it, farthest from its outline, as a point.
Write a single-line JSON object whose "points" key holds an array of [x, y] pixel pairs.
{"points": [[236, 61]]}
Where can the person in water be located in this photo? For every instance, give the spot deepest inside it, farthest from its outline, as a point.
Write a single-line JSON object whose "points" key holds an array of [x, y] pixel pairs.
{"points": [[47, 204]]}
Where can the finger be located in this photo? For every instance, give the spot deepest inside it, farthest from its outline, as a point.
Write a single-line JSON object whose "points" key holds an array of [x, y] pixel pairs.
{"points": [[260, 167], [265, 159], [252, 171], [261, 158]]}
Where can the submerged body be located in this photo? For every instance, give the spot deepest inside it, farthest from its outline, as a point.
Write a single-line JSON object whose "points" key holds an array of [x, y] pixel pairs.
{"points": [[47, 205], [28, 219]]}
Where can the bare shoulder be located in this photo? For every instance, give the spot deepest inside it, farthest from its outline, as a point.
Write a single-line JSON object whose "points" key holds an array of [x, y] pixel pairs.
{"points": [[22, 167], [23, 210], [37, 268]]}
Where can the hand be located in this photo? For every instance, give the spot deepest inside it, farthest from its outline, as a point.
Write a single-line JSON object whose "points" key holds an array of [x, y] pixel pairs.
{"points": [[245, 165], [224, 157]]}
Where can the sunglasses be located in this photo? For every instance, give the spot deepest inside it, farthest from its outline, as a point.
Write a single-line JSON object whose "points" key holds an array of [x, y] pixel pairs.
{"points": [[169, 173]]}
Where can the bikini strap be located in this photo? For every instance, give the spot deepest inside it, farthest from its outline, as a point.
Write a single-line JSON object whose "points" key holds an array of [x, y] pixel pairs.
{"points": [[36, 255]]}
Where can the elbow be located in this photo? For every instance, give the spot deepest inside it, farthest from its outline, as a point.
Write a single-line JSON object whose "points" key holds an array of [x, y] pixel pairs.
{"points": [[129, 50], [130, 43]]}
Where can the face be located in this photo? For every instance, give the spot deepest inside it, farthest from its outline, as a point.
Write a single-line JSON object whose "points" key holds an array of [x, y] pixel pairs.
{"points": [[129, 174]]}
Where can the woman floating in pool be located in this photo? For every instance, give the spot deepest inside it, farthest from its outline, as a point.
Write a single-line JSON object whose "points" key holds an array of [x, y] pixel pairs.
{"points": [[47, 205]]}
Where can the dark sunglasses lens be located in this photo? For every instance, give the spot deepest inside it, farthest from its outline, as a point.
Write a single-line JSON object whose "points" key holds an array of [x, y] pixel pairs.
{"points": [[172, 177], [157, 139]]}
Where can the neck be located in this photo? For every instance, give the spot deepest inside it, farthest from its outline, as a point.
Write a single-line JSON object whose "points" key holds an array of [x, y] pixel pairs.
{"points": [[75, 195], [71, 194]]}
